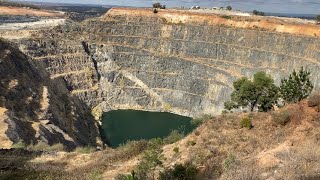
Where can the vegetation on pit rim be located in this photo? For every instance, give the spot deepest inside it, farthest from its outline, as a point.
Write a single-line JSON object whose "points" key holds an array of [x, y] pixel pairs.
{"points": [[158, 5], [262, 94], [258, 13]]}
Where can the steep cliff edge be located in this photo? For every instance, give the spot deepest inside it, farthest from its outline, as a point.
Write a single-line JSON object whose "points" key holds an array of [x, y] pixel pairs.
{"points": [[174, 61], [34, 108]]}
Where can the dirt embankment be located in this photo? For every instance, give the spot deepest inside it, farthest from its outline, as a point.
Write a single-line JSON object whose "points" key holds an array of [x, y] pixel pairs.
{"points": [[273, 24], [19, 11]]}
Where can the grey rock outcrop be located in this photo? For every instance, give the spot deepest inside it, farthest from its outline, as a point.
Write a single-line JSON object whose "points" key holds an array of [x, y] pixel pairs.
{"points": [[38, 108], [149, 63]]}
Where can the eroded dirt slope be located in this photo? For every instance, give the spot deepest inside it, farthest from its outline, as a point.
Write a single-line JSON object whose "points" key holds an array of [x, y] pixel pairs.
{"points": [[220, 149]]}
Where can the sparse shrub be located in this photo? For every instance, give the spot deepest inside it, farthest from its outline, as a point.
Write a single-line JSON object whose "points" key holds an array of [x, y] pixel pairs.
{"points": [[85, 150], [42, 146], [229, 161], [131, 176], [297, 87], [229, 8], [198, 121], [173, 137], [318, 18], [179, 172], [19, 145], [134, 148], [151, 159], [282, 117], [246, 122], [122, 82], [191, 143], [167, 106], [155, 143], [95, 175], [226, 17], [224, 112], [90, 74], [176, 149]]}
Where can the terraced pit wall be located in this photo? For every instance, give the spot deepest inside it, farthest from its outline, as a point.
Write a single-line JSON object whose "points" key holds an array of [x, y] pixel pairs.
{"points": [[176, 62]]}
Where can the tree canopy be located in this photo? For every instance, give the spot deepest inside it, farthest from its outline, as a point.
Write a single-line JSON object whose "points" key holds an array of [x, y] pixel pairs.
{"points": [[297, 86], [158, 5], [229, 8], [258, 13], [261, 93]]}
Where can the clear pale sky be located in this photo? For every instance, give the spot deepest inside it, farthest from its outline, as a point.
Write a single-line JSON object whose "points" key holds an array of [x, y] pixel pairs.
{"points": [[275, 6]]}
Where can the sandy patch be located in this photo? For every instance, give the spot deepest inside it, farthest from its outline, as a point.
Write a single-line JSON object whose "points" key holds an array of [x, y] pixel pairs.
{"points": [[27, 11], [4, 140]]}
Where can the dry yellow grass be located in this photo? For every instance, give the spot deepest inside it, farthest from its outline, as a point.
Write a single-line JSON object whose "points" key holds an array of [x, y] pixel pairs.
{"points": [[264, 23]]}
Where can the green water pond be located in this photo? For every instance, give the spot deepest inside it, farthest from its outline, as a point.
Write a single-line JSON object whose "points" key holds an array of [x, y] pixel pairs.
{"points": [[120, 126]]}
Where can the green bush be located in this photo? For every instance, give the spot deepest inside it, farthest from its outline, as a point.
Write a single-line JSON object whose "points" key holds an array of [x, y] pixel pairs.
{"points": [[191, 143], [297, 86], [179, 172], [282, 117], [226, 17], [176, 150], [19, 145], [85, 150], [246, 122], [261, 93]]}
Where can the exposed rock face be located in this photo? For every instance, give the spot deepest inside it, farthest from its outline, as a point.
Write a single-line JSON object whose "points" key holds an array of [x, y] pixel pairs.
{"points": [[35, 108], [134, 59]]}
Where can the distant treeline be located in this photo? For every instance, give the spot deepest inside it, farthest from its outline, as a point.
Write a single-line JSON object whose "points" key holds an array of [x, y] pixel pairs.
{"points": [[18, 4], [301, 16]]}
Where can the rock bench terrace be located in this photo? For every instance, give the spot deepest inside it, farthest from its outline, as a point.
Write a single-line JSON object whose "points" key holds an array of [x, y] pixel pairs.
{"points": [[171, 61]]}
